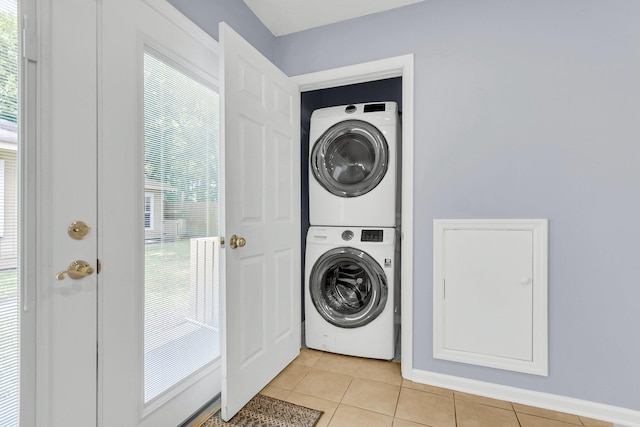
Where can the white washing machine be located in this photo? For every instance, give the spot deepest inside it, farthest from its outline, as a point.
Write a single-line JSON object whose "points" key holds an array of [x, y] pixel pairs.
{"points": [[351, 273], [353, 165]]}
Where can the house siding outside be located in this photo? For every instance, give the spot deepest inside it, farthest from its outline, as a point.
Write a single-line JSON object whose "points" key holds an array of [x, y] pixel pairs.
{"points": [[9, 235]]}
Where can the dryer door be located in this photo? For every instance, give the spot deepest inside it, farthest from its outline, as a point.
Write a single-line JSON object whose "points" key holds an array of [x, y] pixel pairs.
{"points": [[348, 287], [350, 158]]}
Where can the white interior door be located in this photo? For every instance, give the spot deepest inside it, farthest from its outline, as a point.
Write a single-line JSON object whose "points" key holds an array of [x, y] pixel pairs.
{"points": [[156, 358], [261, 296]]}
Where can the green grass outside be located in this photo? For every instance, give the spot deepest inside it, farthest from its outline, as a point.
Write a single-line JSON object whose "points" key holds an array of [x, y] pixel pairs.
{"points": [[9, 283], [167, 266]]}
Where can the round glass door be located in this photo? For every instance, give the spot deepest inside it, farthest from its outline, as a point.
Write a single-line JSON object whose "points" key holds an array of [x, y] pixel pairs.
{"points": [[348, 287], [350, 158]]}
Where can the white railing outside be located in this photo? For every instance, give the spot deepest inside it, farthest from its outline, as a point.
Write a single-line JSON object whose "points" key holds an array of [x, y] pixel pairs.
{"points": [[205, 283]]}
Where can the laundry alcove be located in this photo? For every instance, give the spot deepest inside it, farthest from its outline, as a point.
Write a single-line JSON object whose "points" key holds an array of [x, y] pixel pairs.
{"points": [[389, 89]]}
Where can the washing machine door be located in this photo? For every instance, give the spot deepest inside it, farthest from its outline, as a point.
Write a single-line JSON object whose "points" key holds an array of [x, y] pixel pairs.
{"points": [[348, 287], [350, 158]]}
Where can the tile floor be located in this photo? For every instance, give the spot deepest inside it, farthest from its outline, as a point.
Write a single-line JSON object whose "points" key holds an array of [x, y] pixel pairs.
{"points": [[363, 392]]}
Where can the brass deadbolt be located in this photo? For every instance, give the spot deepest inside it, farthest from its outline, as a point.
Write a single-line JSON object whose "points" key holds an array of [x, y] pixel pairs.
{"points": [[78, 230]]}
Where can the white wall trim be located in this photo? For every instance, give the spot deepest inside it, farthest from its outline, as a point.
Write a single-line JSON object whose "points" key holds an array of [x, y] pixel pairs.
{"points": [[176, 17], [615, 414], [399, 66]]}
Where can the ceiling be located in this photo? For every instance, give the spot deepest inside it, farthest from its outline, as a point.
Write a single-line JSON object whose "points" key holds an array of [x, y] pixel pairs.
{"points": [[290, 16]]}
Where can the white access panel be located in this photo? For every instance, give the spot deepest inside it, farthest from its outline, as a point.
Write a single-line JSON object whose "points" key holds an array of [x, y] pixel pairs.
{"points": [[488, 292], [489, 277]]}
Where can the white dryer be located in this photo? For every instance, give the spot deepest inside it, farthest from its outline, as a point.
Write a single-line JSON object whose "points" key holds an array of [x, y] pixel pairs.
{"points": [[353, 165], [351, 273]]}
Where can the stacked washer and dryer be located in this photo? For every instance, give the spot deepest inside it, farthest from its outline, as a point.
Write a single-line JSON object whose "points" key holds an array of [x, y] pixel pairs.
{"points": [[352, 253]]}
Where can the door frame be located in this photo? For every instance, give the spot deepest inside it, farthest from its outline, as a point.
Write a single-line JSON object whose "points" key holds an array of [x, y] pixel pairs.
{"points": [[30, 206], [399, 66]]}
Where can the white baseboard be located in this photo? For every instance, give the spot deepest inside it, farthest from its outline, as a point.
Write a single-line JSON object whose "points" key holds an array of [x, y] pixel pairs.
{"points": [[622, 417]]}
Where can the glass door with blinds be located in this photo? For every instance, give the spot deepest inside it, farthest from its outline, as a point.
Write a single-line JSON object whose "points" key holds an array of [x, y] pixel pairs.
{"points": [[10, 294], [181, 292], [158, 178]]}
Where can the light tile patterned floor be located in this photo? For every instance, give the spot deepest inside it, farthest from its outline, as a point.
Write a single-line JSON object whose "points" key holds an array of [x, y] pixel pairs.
{"points": [[363, 392]]}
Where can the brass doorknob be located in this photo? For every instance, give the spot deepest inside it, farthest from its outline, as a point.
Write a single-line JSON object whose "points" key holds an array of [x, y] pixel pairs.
{"points": [[236, 241], [77, 270]]}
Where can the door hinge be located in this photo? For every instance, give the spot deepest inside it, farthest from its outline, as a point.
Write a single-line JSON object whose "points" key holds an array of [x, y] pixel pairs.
{"points": [[29, 39], [98, 266], [444, 288]]}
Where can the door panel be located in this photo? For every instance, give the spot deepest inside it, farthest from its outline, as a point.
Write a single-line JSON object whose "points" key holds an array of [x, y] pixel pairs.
{"points": [[488, 310], [66, 340], [261, 204]]}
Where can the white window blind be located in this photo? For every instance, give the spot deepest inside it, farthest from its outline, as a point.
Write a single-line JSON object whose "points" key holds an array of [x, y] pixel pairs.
{"points": [[181, 119]]}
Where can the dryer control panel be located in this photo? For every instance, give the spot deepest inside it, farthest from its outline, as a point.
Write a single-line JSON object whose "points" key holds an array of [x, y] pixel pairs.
{"points": [[371, 236]]}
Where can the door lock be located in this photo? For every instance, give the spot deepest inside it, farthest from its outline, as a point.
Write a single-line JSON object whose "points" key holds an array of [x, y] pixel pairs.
{"points": [[78, 230], [77, 270], [236, 241]]}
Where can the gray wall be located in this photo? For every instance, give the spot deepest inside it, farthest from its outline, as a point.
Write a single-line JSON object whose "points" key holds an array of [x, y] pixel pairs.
{"points": [[207, 14], [523, 109]]}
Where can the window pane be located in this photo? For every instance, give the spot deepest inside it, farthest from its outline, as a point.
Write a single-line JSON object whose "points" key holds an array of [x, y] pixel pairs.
{"points": [[181, 224], [9, 282]]}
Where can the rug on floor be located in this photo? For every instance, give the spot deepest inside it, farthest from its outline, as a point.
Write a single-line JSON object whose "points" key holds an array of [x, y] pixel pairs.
{"points": [[264, 411]]}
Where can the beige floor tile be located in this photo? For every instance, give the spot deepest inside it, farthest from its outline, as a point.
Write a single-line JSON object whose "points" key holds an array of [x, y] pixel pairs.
{"points": [[527, 420], [290, 377], [324, 384], [471, 414], [590, 422], [545, 413], [398, 422], [425, 408], [348, 416], [379, 370], [275, 392], [327, 407], [483, 400], [308, 357], [372, 395], [428, 388], [338, 363]]}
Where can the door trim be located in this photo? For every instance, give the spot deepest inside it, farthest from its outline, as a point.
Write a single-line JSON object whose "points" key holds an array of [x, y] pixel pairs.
{"points": [[30, 206], [399, 66]]}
